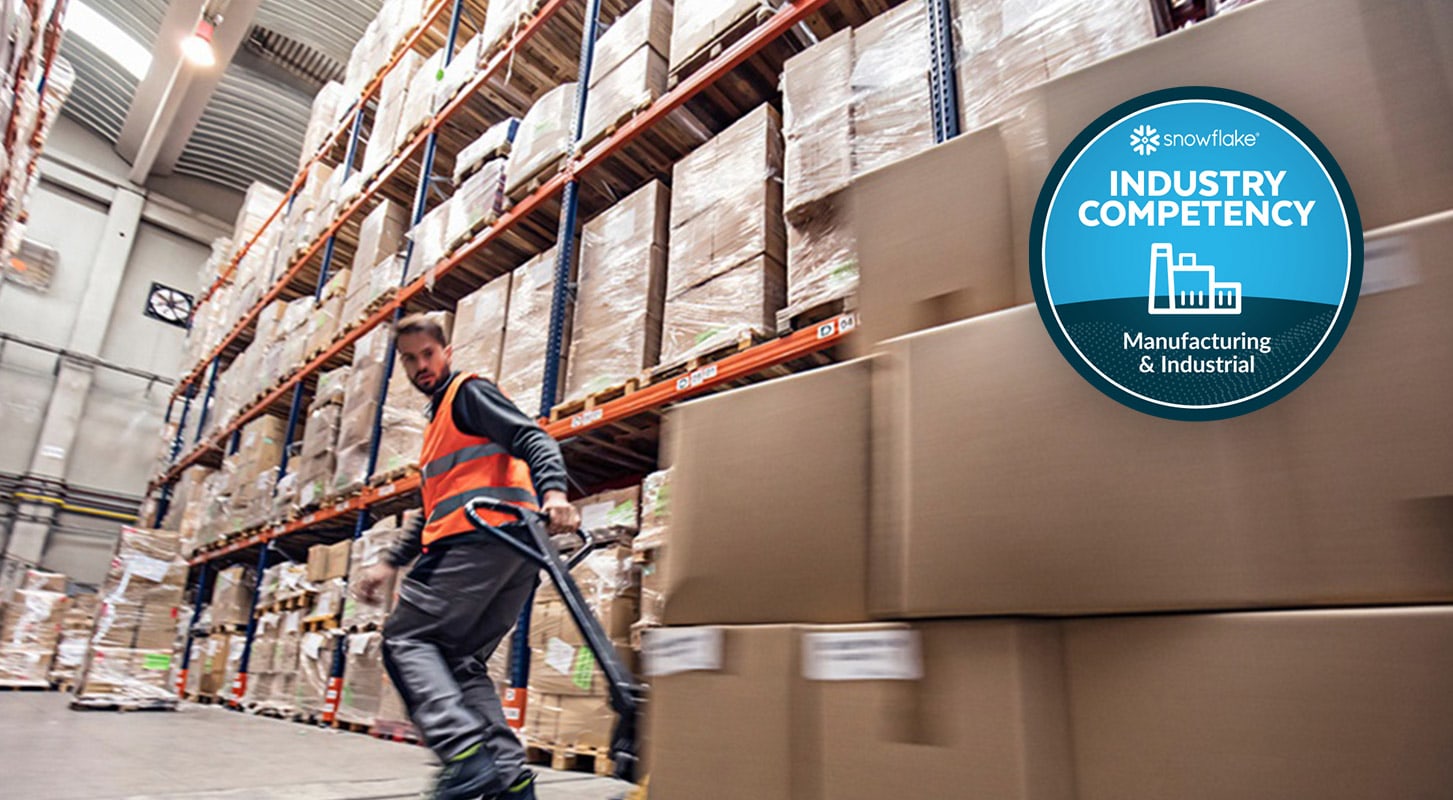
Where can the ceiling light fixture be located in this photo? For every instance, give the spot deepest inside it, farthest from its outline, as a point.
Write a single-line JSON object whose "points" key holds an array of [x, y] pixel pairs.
{"points": [[197, 48]]}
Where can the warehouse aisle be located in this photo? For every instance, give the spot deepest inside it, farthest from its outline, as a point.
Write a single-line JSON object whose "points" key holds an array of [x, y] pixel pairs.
{"points": [[47, 750]]}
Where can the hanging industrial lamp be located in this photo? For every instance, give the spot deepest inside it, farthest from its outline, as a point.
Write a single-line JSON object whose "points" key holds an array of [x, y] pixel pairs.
{"points": [[197, 48]]}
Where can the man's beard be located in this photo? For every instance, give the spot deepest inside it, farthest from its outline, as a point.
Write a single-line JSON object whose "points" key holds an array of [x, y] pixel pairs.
{"points": [[425, 388]]}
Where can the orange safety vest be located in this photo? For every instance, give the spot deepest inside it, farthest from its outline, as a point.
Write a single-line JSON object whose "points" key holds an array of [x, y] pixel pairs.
{"points": [[456, 468]]}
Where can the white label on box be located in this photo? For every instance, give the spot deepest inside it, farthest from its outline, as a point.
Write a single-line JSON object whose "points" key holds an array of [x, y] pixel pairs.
{"points": [[152, 569], [53, 451], [312, 645], [891, 655], [672, 650], [559, 656], [595, 516]]}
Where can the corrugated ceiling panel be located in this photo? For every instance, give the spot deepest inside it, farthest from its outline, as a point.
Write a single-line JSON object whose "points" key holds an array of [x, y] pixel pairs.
{"points": [[330, 26], [252, 130]]}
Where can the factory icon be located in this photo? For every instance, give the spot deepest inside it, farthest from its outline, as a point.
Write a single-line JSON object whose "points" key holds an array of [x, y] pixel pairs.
{"points": [[1190, 288]]}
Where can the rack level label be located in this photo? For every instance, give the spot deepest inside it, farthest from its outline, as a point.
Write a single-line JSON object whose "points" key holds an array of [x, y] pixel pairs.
{"points": [[695, 378], [586, 417], [387, 489]]}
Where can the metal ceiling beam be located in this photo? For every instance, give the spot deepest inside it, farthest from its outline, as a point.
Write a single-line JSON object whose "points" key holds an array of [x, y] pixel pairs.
{"points": [[171, 99]]}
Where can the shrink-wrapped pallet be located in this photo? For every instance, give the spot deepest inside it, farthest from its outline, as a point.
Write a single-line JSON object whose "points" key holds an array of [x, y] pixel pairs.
{"points": [[527, 331], [479, 328]]}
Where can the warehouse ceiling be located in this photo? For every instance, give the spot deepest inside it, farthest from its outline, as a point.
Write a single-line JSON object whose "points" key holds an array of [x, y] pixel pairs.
{"points": [[241, 121]]}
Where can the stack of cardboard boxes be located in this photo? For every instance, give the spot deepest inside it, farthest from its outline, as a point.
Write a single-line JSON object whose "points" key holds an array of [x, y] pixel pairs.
{"points": [[542, 140], [725, 279], [311, 471], [252, 471], [568, 706], [479, 328], [377, 270], [231, 603], [649, 548], [360, 405], [527, 332], [30, 626], [629, 69], [1001, 582], [130, 658], [77, 624], [620, 294]]}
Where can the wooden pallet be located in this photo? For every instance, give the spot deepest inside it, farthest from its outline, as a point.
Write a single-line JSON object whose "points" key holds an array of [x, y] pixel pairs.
{"points": [[66, 685], [626, 115], [795, 319], [367, 627], [394, 475], [289, 603], [590, 401], [569, 758], [720, 42], [351, 727], [25, 686], [203, 699], [528, 185], [101, 704], [745, 341], [327, 623], [228, 628]]}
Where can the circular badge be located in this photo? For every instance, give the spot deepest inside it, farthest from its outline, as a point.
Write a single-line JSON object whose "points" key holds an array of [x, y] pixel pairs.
{"points": [[1196, 253]]}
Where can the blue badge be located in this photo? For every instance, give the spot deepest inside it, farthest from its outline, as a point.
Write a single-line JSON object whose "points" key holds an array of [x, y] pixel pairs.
{"points": [[1196, 253]]}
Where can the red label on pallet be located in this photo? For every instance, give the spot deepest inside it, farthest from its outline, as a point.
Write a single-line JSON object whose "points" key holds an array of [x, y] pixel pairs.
{"points": [[331, 697], [514, 703], [239, 686]]}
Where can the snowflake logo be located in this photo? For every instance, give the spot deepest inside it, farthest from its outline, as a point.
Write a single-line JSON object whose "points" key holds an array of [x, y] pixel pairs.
{"points": [[1144, 140]]}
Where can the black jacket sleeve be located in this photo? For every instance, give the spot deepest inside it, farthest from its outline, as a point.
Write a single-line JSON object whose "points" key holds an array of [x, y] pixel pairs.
{"points": [[407, 548], [481, 409]]}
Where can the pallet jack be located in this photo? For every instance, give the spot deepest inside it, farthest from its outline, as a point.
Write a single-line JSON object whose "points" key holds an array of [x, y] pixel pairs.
{"points": [[627, 695]]}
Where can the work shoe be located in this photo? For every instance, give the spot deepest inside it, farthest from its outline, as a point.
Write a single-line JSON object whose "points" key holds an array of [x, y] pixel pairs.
{"points": [[468, 776]]}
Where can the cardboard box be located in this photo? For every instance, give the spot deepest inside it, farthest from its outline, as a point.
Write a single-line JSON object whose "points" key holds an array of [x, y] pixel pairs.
{"points": [[892, 90], [916, 272], [580, 722], [822, 254], [817, 121], [338, 559], [631, 85], [696, 23], [362, 678], [318, 563], [232, 596], [157, 629], [41, 581], [655, 510], [116, 623], [1005, 47], [742, 539], [1352, 71], [969, 708], [1335, 704], [646, 25], [479, 329], [734, 306], [543, 137], [1341, 489], [620, 293], [726, 202], [527, 332]]}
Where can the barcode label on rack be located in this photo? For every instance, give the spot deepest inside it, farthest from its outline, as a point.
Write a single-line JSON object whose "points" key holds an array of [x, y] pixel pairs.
{"points": [[308, 519], [696, 378], [386, 490], [586, 417]]}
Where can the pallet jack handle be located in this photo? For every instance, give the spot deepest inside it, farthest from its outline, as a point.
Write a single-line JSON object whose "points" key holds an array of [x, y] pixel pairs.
{"points": [[626, 694]]}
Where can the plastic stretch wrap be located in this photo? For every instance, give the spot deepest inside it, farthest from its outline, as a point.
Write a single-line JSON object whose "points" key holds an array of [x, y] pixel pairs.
{"points": [[39, 580], [561, 663], [494, 143], [328, 107], [32, 619], [259, 676], [620, 293], [212, 665], [892, 97], [502, 22], [461, 70], [743, 302], [70, 655], [127, 675], [655, 510], [368, 550], [430, 246], [726, 202], [402, 435], [380, 235], [25, 666], [390, 704], [371, 283], [1008, 46], [392, 97], [822, 256], [629, 67], [258, 203], [527, 331], [325, 323], [329, 600], [315, 666], [479, 328], [543, 137], [817, 121], [232, 596], [697, 23], [423, 96], [362, 678], [320, 435], [611, 516], [477, 202], [331, 387], [583, 723], [359, 403]]}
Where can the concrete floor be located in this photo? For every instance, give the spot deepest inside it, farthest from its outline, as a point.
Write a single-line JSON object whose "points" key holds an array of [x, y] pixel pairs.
{"points": [[49, 751]]}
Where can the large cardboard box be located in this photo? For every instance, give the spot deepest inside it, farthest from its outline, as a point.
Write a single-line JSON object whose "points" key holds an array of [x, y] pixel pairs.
{"points": [[620, 294], [479, 328], [891, 88], [527, 332], [647, 24], [742, 539], [542, 139], [967, 708], [1370, 79], [629, 69], [1336, 705], [817, 121], [738, 305], [362, 678], [726, 202], [916, 272], [822, 254], [1006, 484], [338, 559]]}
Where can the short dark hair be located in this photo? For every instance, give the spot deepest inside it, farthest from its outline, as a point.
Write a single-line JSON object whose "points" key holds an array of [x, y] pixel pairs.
{"points": [[425, 323]]}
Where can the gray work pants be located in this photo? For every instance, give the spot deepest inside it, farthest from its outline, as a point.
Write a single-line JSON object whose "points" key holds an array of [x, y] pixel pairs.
{"points": [[454, 607]]}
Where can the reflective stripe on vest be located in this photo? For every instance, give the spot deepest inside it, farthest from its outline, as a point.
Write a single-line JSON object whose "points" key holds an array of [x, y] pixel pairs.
{"points": [[457, 468]]}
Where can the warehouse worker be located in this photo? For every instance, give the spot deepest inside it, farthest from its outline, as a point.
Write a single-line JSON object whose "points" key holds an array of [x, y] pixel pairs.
{"points": [[467, 590]]}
